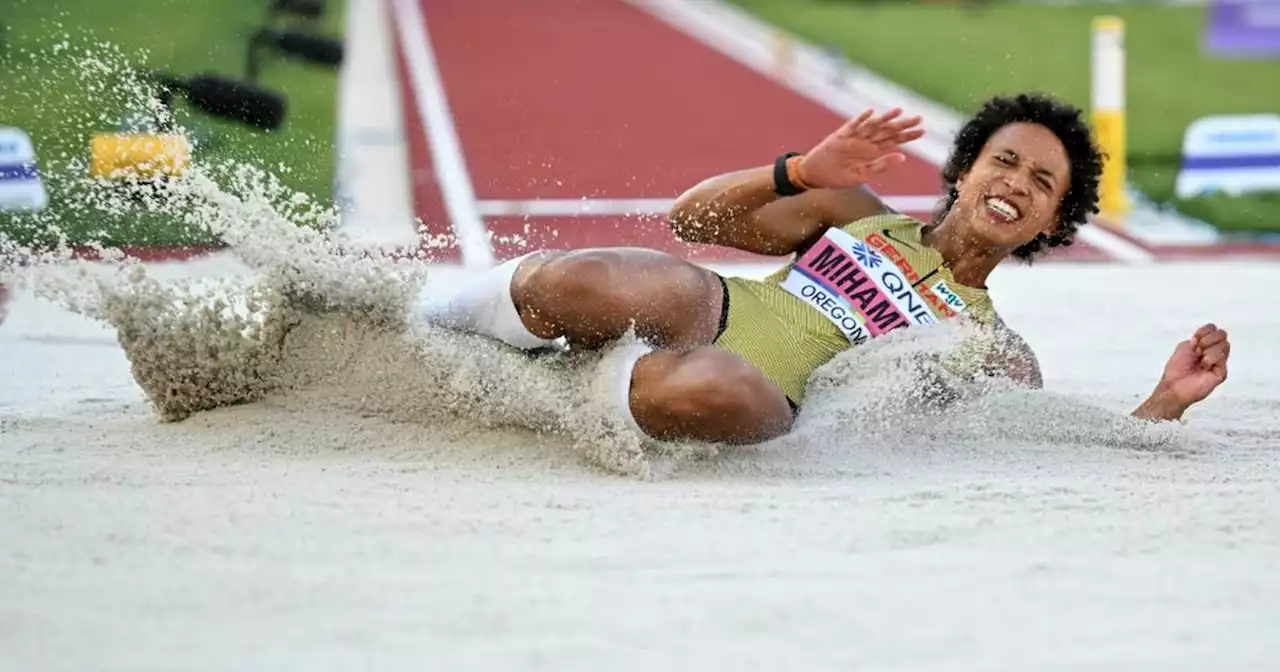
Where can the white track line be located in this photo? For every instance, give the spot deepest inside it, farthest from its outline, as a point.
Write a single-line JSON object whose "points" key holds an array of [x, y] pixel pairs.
{"points": [[1117, 246], [737, 33], [446, 150], [372, 181], [577, 207], [572, 207]]}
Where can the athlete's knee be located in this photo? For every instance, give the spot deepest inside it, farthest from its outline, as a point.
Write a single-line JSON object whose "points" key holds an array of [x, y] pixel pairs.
{"points": [[707, 394], [565, 278]]}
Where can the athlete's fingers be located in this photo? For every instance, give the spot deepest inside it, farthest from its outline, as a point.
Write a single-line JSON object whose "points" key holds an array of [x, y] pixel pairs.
{"points": [[1203, 331], [904, 124], [1216, 336], [895, 123], [1215, 361], [851, 127], [907, 136], [875, 127], [1215, 354], [885, 118], [1213, 338], [1200, 333], [1209, 339], [891, 131], [883, 163], [889, 122]]}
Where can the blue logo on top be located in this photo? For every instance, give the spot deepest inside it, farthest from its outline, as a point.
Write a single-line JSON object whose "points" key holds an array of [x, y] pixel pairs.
{"points": [[865, 255]]}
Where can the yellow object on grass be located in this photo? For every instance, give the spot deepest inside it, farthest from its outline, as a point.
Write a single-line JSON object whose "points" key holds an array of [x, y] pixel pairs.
{"points": [[143, 155]]}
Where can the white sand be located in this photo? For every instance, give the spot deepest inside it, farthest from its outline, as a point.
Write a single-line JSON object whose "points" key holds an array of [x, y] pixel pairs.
{"points": [[308, 531], [380, 501]]}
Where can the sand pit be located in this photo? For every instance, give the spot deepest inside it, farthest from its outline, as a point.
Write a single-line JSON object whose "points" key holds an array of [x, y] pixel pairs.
{"points": [[259, 460], [358, 520]]}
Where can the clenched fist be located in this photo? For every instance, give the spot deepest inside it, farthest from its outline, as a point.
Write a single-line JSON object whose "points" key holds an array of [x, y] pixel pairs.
{"points": [[1196, 368], [1198, 365]]}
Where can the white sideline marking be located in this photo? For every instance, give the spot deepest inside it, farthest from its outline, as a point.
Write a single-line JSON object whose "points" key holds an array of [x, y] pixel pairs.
{"points": [[446, 149], [562, 207], [372, 173], [1114, 245], [575, 207], [751, 42]]}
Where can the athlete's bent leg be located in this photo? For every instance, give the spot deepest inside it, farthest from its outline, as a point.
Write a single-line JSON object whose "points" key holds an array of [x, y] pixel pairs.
{"points": [[706, 394], [592, 297], [683, 389], [589, 297]]}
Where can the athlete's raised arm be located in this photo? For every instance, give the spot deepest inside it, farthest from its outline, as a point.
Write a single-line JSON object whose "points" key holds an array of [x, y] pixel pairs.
{"points": [[755, 211]]}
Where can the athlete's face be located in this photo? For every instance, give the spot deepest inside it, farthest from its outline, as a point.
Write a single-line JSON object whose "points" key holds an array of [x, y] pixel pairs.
{"points": [[1012, 192]]}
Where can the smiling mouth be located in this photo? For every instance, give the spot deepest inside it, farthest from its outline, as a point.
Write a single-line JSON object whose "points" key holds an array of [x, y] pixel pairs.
{"points": [[1002, 209]]}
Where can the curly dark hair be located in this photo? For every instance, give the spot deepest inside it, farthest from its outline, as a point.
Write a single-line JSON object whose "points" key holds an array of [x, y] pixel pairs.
{"points": [[1081, 197]]}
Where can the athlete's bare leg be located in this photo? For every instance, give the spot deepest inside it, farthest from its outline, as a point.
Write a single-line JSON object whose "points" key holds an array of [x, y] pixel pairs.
{"points": [[706, 394], [592, 297], [684, 387]]}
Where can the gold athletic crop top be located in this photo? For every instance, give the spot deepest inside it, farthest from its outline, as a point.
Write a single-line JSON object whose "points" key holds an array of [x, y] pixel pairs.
{"points": [[870, 277]]}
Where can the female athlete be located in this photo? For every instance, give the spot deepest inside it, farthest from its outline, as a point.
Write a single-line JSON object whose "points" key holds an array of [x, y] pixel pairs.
{"points": [[727, 359]]}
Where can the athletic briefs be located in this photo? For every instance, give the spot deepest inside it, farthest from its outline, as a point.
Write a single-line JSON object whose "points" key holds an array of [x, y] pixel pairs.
{"points": [[856, 283]]}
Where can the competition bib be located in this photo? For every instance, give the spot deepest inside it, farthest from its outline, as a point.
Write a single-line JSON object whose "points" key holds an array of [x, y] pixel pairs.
{"points": [[865, 287]]}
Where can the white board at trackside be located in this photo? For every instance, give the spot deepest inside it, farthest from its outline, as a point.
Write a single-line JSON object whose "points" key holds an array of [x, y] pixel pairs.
{"points": [[1231, 154], [21, 187]]}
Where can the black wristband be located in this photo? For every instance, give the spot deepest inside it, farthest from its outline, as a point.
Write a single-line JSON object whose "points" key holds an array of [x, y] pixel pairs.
{"points": [[782, 184]]}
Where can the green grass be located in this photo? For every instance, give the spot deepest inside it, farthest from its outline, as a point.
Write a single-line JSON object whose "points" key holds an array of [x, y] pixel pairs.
{"points": [[961, 55], [61, 108]]}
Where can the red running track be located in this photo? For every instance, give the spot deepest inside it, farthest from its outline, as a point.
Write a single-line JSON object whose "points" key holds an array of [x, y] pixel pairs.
{"points": [[595, 99]]}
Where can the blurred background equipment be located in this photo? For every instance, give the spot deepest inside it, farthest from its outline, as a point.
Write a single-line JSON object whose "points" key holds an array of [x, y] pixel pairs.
{"points": [[148, 156], [155, 152], [311, 10], [1232, 154], [306, 47], [1243, 28], [234, 100], [21, 187], [78, 77], [1107, 99], [291, 30]]}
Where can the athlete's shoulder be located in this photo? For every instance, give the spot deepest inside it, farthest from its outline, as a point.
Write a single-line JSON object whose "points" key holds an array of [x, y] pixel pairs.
{"points": [[895, 222], [979, 306]]}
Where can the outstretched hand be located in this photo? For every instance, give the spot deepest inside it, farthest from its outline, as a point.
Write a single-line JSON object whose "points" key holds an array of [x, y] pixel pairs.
{"points": [[1196, 368], [859, 150]]}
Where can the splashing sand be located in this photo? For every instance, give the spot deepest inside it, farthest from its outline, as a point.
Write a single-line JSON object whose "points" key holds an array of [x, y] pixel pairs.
{"points": [[329, 328], [332, 336], [323, 321]]}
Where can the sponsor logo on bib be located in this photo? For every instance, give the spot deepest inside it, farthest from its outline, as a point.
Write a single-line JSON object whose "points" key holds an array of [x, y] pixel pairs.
{"points": [[939, 304], [948, 296], [864, 287]]}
